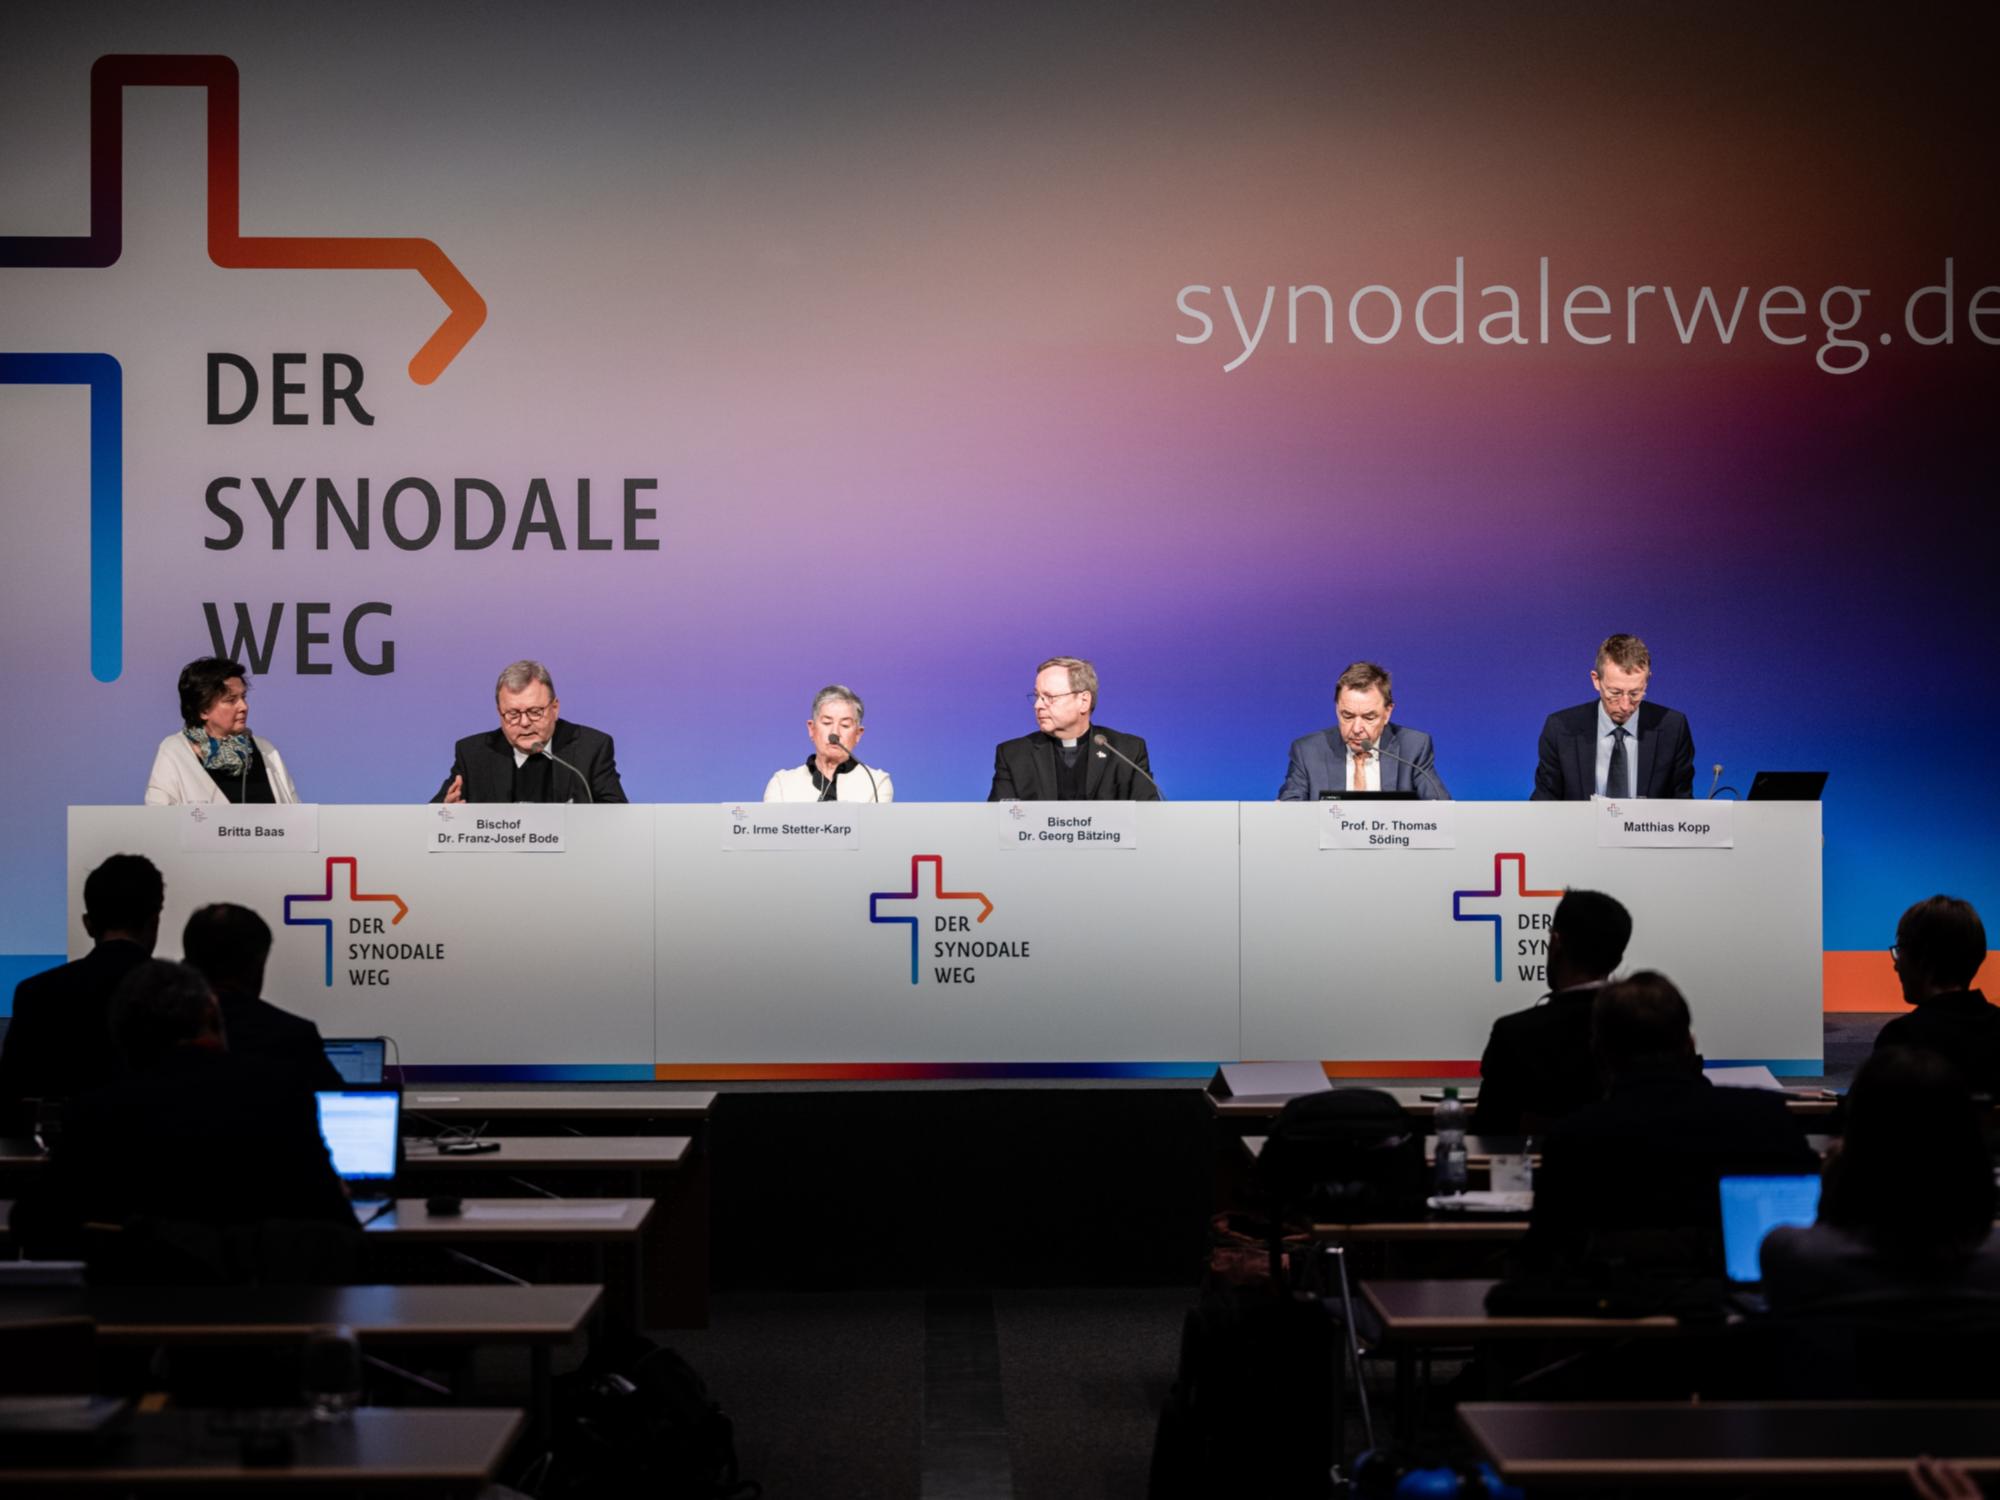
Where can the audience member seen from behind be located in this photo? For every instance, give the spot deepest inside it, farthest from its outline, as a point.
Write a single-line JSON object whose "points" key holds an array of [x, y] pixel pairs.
{"points": [[59, 1042], [213, 756], [196, 1166], [1538, 1065], [1632, 1178], [1940, 945], [228, 946], [1906, 1209]]}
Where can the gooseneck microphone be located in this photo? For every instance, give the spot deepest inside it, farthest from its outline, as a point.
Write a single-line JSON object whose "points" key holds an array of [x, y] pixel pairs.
{"points": [[1712, 780], [874, 791], [1437, 781], [1102, 743], [542, 749]]}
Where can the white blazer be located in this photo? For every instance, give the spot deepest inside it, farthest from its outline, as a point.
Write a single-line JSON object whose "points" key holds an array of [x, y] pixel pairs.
{"points": [[178, 776], [795, 784]]}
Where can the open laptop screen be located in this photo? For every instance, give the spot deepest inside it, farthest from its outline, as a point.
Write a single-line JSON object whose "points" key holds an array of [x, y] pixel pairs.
{"points": [[362, 1129], [357, 1059], [1754, 1206]]}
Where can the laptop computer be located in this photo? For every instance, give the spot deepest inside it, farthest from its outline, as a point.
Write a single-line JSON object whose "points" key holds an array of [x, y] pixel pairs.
{"points": [[363, 1131], [1751, 1208], [1787, 786], [358, 1059]]}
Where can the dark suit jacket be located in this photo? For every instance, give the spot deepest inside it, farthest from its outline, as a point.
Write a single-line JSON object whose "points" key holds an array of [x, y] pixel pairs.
{"points": [[486, 761], [1319, 764], [1567, 770], [1636, 1171], [200, 1137], [59, 1042], [258, 1029], [1965, 1027], [1024, 770], [1538, 1063]]}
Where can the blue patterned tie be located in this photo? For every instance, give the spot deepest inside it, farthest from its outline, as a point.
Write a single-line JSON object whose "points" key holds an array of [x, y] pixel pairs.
{"points": [[1615, 783]]}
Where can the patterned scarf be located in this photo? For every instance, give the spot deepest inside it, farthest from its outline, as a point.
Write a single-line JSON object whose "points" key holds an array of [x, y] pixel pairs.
{"points": [[230, 756]]}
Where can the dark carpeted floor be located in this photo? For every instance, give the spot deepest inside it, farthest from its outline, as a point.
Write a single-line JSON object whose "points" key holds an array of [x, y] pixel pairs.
{"points": [[828, 1388]]}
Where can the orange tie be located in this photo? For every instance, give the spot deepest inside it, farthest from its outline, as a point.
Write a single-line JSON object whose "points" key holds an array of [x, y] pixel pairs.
{"points": [[1360, 771]]}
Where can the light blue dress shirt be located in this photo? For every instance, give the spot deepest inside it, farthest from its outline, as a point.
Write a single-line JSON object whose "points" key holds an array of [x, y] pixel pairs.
{"points": [[1604, 743]]}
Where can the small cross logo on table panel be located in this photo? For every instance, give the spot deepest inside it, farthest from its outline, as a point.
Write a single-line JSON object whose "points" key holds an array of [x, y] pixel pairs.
{"points": [[938, 892], [354, 893]]}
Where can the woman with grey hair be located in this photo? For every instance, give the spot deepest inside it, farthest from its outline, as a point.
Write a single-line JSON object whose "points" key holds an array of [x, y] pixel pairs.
{"points": [[833, 772]]}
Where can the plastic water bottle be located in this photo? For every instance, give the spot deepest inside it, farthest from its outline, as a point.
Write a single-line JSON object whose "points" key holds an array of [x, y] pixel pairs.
{"points": [[1449, 1124]]}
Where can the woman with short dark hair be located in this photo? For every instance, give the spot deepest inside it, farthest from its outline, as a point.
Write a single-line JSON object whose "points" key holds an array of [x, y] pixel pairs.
{"points": [[214, 757]]}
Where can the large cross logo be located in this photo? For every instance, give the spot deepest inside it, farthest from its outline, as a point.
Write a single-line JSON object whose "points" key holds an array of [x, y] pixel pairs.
{"points": [[938, 892], [354, 893], [1460, 914], [229, 248]]}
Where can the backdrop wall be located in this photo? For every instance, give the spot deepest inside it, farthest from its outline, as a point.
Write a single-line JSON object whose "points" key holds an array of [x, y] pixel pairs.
{"points": [[932, 334]]}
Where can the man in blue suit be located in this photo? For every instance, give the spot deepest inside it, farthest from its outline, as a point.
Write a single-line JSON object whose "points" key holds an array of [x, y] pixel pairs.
{"points": [[1620, 745], [1363, 752]]}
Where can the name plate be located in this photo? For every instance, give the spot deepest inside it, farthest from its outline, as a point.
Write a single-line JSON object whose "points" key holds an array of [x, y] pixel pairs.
{"points": [[1659, 823], [1068, 825], [1388, 825], [209, 826], [498, 828], [782, 825]]}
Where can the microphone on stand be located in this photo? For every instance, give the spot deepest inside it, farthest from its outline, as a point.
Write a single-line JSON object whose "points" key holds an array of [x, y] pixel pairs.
{"points": [[1437, 781], [1102, 743], [1713, 780], [874, 791], [542, 749]]}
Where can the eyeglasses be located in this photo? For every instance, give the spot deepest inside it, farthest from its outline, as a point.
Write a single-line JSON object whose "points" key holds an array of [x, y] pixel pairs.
{"points": [[1624, 695], [1895, 952], [525, 715], [1041, 698]]}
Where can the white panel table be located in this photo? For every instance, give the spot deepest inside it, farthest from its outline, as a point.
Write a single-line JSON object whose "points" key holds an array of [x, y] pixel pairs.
{"points": [[1392, 954]]}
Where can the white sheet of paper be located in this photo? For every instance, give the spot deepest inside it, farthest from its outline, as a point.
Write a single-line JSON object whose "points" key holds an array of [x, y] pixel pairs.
{"points": [[1759, 1077], [232, 828], [1066, 826], [1274, 1080], [497, 828], [1664, 823], [1388, 825], [606, 1213], [762, 826]]}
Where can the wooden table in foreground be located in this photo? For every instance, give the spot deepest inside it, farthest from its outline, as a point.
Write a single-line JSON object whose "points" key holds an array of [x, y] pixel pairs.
{"points": [[440, 1451], [463, 1318], [1454, 1312], [630, 1154], [1737, 1443], [461, 1105], [527, 1315], [1804, 1103], [675, 1258], [566, 1220]]}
